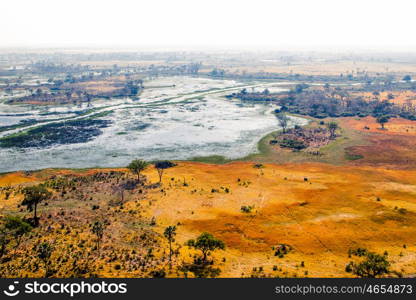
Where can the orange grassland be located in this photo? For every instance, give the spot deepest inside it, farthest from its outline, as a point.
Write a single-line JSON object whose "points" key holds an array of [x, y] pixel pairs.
{"points": [[336, 209]]}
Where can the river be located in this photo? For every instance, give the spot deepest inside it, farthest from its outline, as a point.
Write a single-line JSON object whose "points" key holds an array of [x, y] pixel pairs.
{"points": [[179, 118]]}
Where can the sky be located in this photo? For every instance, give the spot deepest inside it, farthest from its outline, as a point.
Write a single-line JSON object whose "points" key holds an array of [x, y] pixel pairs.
{"points": [[204, 24]]}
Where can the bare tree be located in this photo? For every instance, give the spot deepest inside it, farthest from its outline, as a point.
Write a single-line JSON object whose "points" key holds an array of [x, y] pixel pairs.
{"points": [[283, 121]]}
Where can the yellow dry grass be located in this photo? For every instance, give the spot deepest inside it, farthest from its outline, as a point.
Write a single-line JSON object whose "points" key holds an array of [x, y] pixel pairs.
{"points": [[334, 210]]}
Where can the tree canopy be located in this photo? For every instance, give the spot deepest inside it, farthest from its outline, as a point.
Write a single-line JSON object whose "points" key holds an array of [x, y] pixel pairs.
{"points": [[206, 243], [374, 265], [161, 166], [33, 195], [137, 166], [382, 120]]}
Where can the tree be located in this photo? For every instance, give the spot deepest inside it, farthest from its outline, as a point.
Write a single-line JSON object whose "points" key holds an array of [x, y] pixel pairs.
{"points": [[332, 127], [98, 229], [283, 120], [170, 233], [407, 78], [374, 265], [300, 87], [161, 166], [44, 252], [201, 266], [206, 243], [33, 195], [137, 166], [382, 120]]}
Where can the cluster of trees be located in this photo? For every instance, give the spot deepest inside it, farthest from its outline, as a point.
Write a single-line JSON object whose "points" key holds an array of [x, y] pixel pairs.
{"points": [[217, 72], [68, 89], [264, 95], [319, 104], [325, 103], [299, 138], [169, 70], [261, 75], [139, 165]]}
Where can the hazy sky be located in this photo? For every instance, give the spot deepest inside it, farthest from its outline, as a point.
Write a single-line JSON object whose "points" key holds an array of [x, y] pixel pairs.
{"points": [[279, 24]]}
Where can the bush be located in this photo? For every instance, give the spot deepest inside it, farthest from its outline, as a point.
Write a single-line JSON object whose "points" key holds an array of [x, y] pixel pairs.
{"points": [[246, 209], [292, 144]]}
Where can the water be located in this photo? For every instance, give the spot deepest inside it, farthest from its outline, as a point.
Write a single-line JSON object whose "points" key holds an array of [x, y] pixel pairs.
{"points": [[181, 122]]}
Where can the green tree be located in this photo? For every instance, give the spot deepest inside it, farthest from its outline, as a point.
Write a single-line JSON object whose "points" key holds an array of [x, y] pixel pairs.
{"points": [[373, 265], [33, 195], [170, 233], [44, 252], [332, 127], [206, 243], [407, 78], [161, 166], [137, 166], [382, 120], [201, 266]]}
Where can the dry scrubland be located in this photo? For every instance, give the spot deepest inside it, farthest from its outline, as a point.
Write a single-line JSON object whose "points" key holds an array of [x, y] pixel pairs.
{"points": [[320, 210]]}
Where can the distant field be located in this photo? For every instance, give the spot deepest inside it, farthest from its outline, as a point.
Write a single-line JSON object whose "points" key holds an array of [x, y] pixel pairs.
{"points": [[329, 68]]}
